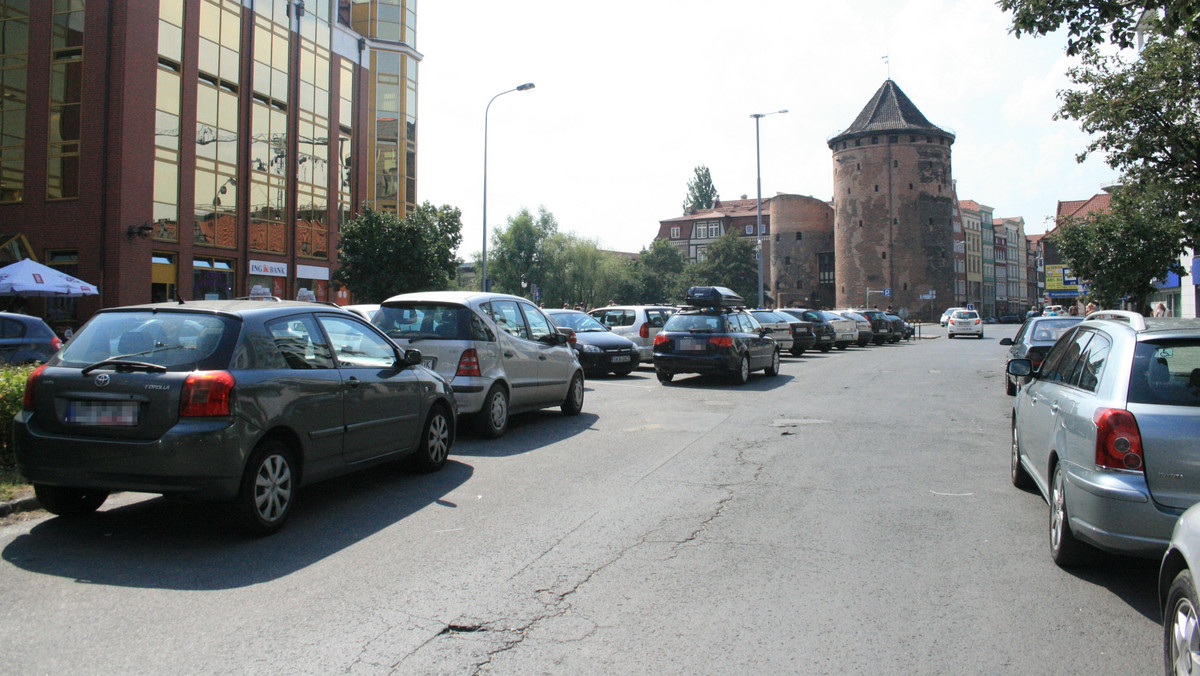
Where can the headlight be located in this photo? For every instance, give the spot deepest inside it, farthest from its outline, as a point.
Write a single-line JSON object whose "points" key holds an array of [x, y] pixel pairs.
{"points": [[590, 348]]}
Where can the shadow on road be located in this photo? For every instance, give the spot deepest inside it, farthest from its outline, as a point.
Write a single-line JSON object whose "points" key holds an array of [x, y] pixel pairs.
{"points": [[527, 432], [1133, 580], [168, 544]]}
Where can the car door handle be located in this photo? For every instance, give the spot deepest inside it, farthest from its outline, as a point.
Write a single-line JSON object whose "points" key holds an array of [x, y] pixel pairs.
{"points": [[352, 382], [541, 357], [1054, 408], [508, 354]]}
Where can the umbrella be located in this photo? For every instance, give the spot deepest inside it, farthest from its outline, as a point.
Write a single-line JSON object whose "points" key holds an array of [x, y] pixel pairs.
{"points": [[30, 278]]}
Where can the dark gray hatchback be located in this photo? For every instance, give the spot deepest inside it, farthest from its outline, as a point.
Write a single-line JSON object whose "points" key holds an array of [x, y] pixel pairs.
{"points": [[243, 401]]}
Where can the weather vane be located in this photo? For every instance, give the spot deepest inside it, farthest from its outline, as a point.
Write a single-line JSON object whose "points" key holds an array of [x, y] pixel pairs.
{"points": [[887, 63]]}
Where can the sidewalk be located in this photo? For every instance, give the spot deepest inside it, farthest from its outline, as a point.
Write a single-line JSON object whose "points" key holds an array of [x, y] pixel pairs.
{"points": [[24, 503]]}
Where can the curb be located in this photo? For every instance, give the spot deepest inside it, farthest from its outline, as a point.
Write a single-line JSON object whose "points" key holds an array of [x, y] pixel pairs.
{"points": [[11, 507]]}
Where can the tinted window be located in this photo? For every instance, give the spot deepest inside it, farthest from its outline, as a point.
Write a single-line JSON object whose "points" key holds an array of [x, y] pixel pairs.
{"points": [[176, 340], [300, 343], [1091, 366], [614, 317], [539, 326], [687, 322], [427, 321], [1064, 369], [1166, 372], [508, 317], [751, 324], [356, 346], [11, 328]]}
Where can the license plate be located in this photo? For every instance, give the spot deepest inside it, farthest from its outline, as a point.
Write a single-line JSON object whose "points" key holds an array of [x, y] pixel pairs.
{"points": [[692, 344], [620, 359], [120, 414], [429, 362]]}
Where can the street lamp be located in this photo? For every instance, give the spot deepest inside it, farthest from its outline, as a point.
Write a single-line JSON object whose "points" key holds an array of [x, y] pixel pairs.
{"points": [[758, 169], [483, 274]]}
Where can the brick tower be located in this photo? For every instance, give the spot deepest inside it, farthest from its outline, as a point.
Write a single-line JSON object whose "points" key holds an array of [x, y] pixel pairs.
{"points": [[893, 208]]}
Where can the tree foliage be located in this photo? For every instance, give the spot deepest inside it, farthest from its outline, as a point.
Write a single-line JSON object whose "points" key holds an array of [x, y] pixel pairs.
{"points": [[662, 273], [515, 254], [1144, 115], [730, 262], [1122, 252], [381, 255], [701, 193], [1093, 22]]}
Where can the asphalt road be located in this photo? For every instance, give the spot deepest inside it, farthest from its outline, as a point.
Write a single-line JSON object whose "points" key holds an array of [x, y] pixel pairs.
{"points": [[851, 515]]}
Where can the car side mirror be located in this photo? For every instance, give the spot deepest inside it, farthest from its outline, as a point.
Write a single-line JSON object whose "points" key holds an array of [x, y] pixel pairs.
{"points": [[412, 357], [1020, 367], [1006, 341], [766, 330]]}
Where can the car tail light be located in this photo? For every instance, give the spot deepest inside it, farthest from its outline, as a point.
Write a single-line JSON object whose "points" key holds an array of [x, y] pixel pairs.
{"points": [[661, 339], [206, 393], [30, 383], [721, 341], [56, 342], [572, 339], [644, 332], [468, 363], [1118, 439]]}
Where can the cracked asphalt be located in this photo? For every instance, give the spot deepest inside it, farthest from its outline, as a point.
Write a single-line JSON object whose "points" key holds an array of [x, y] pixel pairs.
{"points": [[851, 515]]}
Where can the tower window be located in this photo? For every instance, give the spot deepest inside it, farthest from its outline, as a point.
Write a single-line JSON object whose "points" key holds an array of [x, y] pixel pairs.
{"points": [[893, 139], [895, 163], [910, 186], [860, 222], [883, 255], [799, 236], [876, 188], [857, 142]]}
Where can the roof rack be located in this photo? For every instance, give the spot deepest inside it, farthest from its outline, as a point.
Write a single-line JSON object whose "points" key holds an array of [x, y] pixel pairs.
{"points": [[1134, 319], [713, 296]]}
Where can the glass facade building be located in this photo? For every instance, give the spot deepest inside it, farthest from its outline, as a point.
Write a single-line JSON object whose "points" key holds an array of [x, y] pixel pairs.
{"points": [[203, 148]]}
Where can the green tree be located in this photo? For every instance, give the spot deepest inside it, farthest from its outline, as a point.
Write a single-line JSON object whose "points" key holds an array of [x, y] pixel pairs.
{"points": [[1093, 22], [515, 253], [1143, 113], [701, 192], [381, 255], [730, 262], [661, 270], [1122, 252]]}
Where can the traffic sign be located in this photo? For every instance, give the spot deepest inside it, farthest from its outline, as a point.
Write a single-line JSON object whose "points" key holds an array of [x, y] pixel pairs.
{"points": [[887, 293]]}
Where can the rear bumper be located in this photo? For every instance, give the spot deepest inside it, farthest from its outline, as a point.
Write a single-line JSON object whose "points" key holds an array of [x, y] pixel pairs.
{"points": [[721, 363], [1115, 512], [202, 459]]}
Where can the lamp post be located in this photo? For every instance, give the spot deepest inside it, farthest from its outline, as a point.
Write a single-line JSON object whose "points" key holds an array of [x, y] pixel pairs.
{"points": [[483, 273], [759, 228]]}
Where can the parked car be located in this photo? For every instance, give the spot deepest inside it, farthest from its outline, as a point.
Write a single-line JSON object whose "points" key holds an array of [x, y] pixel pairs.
{"points": [[804, 336], [946, 315], [1177, 597], [965, 323], [881, 328], [1010, 319], [639, 323], [846, 330], [780, 327], [598, 349], [365, 310], [501, 354], [25, 339], [1033, 340], [1116, 395], [714, 335], [225, 400], [822, 328], [865, 333], [900, 328]]}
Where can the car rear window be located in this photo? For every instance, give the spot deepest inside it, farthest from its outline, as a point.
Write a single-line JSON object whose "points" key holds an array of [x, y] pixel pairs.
{"points": [[696, 322], [615, 317], [176, 340], [427, 321], [1166, 372], [966, 314]]}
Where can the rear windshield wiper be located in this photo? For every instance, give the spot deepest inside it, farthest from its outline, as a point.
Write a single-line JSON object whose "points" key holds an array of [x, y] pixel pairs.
{"points": [[122, 366]]}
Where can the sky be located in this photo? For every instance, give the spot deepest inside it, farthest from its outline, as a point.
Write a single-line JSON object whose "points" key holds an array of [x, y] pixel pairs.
{"points": [[630, 97]]}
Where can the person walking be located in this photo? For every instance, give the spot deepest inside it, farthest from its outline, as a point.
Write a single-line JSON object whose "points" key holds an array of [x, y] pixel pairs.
{"points": [[1160, 309]]}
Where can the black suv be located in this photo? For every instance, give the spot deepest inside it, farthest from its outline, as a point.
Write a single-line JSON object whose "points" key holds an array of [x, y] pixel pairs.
{"points": [[714, 334]]}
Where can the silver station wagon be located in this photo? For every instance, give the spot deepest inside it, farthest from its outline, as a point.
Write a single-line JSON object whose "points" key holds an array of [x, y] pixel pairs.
{"points": [[501, 354], [1108, 430]]}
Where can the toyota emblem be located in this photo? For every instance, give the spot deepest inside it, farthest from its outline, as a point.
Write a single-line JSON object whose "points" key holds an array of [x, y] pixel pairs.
{"points": [[102, 380]]}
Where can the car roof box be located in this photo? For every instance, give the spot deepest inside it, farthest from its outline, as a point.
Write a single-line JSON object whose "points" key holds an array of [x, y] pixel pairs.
{"points": [[713, 296]]}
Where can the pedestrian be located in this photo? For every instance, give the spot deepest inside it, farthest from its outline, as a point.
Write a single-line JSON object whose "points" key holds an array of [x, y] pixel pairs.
{"points": [[1160, 309], [1091, 307]]}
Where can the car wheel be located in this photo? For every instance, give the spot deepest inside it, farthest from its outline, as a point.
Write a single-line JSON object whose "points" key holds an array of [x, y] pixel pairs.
{"points": [[773, 369], [742, 376], [573, 403], [842, 346], [1064, 548], [268, 489], [949, 335], [65, 501], [1181, 635], [1020, 478], [826, 348], [878, 341], [1010, 388], [664, 376], [797, 351], [436, 440], [623, 372], [493, 418]]}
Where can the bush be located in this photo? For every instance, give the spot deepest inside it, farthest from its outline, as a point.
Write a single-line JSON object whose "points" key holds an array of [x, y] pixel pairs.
{"points": [[12, 390]]}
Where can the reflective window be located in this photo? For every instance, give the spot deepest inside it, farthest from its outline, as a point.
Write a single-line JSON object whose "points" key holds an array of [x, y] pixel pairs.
{"points": [[66, 96], [14, 39]]}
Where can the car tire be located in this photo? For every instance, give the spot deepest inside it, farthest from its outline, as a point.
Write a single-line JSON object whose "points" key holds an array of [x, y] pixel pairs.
{"points": [[826, 348], [796, 351], [268, 491], [950, 335], [436, 439], [623, 372], [1020, 478], [1010, 388], [69, 502], [842, 346], [742, 375], [664, 377], [878, 341], [1065, 549], [773, 369], [492, 420], [573, 403], [1180, 630]]}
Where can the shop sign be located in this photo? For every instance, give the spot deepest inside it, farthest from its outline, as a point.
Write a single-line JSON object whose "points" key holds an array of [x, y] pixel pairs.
{"points": [[268, 268]]}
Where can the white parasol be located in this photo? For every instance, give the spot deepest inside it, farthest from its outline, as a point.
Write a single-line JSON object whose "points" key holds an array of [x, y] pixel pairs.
{"points": [[30, 278]]}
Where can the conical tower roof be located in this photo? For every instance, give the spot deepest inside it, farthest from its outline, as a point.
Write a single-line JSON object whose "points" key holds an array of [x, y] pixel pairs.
{"points": [[888, 111]]}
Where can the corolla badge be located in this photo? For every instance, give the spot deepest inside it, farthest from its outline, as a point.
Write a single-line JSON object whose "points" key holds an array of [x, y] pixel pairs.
{"points": [[102, 380]]}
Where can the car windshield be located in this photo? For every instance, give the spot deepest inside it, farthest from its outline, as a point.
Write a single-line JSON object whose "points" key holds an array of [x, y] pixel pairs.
{"points": [[770, 317], [1051, 329], [697, 323], [424, 321], [175, 340], [576, 321], [1166, 372]]}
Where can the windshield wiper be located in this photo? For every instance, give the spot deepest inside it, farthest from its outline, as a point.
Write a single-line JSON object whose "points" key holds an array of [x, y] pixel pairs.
{"points": [[122, 366]]}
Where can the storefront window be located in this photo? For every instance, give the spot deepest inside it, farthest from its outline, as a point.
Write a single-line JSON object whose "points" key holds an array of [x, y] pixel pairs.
{"points": [[212, 279]]}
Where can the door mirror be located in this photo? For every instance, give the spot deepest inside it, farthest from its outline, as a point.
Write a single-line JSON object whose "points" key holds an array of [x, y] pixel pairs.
{"points": [[412, 357], [1006, 341]]}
